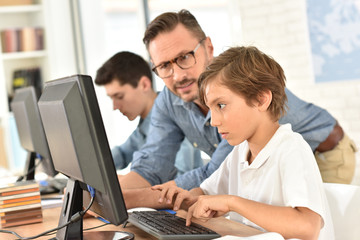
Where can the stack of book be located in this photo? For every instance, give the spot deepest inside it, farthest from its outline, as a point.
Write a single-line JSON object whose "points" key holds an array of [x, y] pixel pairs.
{"points": [[20, 203]]}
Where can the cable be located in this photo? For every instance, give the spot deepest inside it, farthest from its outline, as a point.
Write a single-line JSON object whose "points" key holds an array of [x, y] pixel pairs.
{"points": [[99, 226], [20, 178], [51, 233], [74, 218]]}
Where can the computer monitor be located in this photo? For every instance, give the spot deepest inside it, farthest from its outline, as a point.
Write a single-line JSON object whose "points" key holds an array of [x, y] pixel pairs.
{"points": [[31, 132], [80, 150]]}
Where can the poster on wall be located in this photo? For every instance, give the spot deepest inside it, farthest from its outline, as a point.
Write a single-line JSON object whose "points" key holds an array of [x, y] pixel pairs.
{"points": [[334, 28]]}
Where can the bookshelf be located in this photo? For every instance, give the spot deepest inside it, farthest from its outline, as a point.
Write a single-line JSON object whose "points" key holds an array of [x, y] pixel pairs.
{"points": [[22, 15], [23, 55], [15, 16], [21, 8], [56, 58]]}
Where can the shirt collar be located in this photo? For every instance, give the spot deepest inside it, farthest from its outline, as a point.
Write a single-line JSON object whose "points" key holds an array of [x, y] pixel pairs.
{"points": [[191, 106], [269, 148], [144, 123]]}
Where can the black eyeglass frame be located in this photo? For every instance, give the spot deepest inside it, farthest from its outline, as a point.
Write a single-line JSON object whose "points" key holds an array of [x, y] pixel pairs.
{"points": [[174, 60]]}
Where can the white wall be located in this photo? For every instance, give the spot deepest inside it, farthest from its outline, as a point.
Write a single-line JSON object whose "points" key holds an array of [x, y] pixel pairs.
{"points": [[59, 39], [279, 28], [117, 126]]}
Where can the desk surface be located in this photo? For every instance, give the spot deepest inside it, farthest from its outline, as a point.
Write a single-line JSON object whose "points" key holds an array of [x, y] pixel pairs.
{"points": [[220, 225]]}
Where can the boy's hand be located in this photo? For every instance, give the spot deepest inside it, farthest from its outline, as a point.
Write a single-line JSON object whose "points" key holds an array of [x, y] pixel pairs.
{"points": [[173, 194], [208, 207]]}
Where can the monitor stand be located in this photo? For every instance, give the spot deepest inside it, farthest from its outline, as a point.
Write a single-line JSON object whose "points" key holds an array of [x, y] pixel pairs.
{"points": [[73, 203]]}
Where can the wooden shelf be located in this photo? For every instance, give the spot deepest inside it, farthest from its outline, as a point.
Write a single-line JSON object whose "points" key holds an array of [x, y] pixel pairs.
{"points": [[21, 8], [23, 55]]}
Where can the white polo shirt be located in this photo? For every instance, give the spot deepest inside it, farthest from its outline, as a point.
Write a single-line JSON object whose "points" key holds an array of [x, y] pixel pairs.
{"points": [[284, 173]]}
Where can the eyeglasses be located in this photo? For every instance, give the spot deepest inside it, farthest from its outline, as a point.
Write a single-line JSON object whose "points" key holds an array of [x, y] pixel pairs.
{"points": [[185, 61]]}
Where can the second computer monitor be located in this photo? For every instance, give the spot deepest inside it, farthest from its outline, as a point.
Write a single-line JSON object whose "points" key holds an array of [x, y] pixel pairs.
{"points": [[31, 133]]}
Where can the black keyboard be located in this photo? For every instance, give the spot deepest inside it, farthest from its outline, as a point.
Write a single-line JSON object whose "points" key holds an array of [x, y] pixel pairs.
{"points": [[165, 225]]}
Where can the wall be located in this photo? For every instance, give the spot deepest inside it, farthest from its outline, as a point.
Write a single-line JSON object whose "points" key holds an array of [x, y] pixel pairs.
{"points": [[95, 45], [60, 39], [279, 28]]}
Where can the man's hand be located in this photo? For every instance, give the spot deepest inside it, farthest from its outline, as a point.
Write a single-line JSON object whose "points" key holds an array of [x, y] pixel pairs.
{"points": [[132, 180], [172, 194]]}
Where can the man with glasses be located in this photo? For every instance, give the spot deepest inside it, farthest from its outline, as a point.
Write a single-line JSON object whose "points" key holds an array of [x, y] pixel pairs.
{"points": [[180, 52], [127, 79]]}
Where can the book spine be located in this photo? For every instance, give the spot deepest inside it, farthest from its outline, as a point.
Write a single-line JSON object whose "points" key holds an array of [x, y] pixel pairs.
{"points": [[28, 39], [39, 38], [19, 200], [10, 209], [24, 195], [18, 185], [21, 222], [3, 43], [9, 40], [17, 218], [10, 205], [30, 211], [20, 191]]}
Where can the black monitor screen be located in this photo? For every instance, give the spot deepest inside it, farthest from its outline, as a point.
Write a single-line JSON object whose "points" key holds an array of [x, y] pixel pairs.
{"points": [[30, 129], [78, 144]]}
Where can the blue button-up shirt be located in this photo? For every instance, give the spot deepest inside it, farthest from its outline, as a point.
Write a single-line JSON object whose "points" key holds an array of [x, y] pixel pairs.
{"points": [[187, 158], [173, 119], [312, 122]]}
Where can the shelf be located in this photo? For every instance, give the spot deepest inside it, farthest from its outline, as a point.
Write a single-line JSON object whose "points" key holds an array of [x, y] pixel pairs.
{"points": [[23, 55], [21, 8]]}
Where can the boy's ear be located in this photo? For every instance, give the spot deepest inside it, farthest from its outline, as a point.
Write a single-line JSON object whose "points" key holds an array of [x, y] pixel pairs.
{"points": [[264, 100], [145, 83]]}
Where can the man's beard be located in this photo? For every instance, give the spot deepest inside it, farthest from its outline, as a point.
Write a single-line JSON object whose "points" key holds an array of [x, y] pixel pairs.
{"points": [[190, 93]]}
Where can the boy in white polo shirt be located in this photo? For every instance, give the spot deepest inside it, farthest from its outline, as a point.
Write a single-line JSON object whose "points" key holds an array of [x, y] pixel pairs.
{"points": [[270, 180]]}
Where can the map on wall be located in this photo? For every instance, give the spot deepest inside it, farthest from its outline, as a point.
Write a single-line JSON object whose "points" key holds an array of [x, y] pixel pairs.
{"points": [[334, 27]]}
